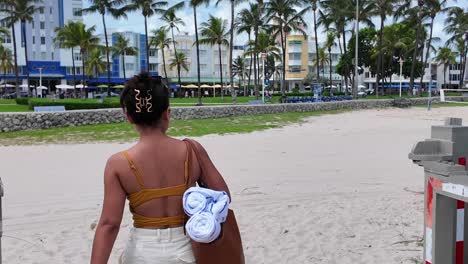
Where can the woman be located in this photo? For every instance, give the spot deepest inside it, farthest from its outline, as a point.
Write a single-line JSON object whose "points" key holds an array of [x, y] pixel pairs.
{"points": [[153, 175]]}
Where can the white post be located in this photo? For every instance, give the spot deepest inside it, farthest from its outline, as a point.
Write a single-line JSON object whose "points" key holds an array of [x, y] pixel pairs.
{"points": [[356, 57], [263, 77], [401, 70], [40, 76]]}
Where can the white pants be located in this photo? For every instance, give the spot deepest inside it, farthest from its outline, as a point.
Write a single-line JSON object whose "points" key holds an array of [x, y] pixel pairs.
{"points": [[168, 246]]}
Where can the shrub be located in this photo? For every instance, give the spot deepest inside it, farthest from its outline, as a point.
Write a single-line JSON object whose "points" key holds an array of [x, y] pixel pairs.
{"points": [[75, 104], [22, 101]]}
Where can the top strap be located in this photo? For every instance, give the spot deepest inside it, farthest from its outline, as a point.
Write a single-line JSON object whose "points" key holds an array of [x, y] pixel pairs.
{"points": [[134, 169], [187, 162]]}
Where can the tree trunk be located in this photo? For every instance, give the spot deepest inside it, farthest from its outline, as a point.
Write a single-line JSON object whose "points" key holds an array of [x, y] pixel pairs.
{"points": [[18, 90], [331, 67], [445, 76], [164, 64], [221, 71], [107, 56], [198, 55], [379, 72], [463, 62], [415, 52], [426, 59], [250, 67], [23, 29], [84, 70], [175, 55], [146, 43], [283, 48], [73, 69], [316, 42], [231, 47], [346, 66], [123, 66]]}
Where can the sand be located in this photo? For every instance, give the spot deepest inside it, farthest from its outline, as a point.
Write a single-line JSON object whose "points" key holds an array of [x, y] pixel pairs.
{"points": [[336, 189]]}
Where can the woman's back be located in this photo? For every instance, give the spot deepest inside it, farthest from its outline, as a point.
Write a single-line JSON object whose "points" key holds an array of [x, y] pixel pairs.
{"points": [[161, 165]]}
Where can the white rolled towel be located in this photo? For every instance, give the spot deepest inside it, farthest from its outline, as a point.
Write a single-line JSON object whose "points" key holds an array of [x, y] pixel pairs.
{"points": [[198, 199], [203, 227]]}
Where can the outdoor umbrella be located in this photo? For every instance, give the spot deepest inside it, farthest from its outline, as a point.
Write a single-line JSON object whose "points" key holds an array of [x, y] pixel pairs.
{"points": [[26, 86], [191, 86], [119, 86], [101, 86], [81, 86], [42, 88], [6, 85], [206, 86], [63, 86]]}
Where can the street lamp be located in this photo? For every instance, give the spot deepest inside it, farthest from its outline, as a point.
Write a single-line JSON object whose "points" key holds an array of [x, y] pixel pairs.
{"points": [[401, 61], [356, 57]]}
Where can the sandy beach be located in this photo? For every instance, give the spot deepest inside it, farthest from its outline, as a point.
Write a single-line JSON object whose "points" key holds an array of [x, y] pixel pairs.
{"points": [[336, 189]]}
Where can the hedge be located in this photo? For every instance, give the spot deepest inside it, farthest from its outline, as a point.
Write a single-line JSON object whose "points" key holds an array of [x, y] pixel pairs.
{"points": [[22, 101], [74, 104]]}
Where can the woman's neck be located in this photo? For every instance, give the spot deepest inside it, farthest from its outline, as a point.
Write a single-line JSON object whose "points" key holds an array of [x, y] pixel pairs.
{"points": [[151, 134]]}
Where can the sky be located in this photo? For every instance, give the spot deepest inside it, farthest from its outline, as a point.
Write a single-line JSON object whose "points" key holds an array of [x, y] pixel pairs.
{"points": [[135, 20]]}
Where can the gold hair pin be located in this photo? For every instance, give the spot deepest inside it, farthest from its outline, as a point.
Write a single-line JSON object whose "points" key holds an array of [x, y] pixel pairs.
{"points": [[143, 103]]}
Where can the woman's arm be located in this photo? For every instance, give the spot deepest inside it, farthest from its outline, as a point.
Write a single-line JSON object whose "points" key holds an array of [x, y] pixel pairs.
{"points": [[111, 216]]}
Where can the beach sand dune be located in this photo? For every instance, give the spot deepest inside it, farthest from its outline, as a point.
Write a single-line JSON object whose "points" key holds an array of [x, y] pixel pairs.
{"points": [[336, 189]]}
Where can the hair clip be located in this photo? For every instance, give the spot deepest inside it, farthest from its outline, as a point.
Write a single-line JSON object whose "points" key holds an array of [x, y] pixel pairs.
{"points": [[143, 103]]}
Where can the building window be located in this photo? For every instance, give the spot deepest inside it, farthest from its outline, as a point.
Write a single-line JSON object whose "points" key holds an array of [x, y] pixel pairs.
{"points": [[52, 55], [294, 68], [42, 25], [50, 10], [77, 12], [32, 25], [43, 55], [41, 10], [153, 67], [202, 52], [153, 53], [454, 77], [34, 55], [42, 40], [34, 40], [77, 56], [129, 66], [367, 74], [203, 67], [294, 56]]}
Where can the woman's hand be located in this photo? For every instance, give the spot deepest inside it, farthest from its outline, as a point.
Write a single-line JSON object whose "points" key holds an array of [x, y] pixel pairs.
{"points": [[111, 216]]}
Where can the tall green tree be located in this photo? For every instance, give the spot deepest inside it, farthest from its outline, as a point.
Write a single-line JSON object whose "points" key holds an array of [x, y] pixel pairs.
{"points": [[10, 23], [214, 32], [445, 56], [285, 19], [161, 41], [96, 62], [253, 18], [244, 23], [239, 69], [21, 11], [329, 44], [68, 37], [457, 28], [173, 22], [106, 7], [322, 61], [6, 61], [233, 3], [432, 8], [179, 61], [122, 48], [87, 41], [195, 4], [148, 9]]}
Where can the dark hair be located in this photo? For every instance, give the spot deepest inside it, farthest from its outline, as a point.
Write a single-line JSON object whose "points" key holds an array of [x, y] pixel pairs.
{"points": [[145, 98]]}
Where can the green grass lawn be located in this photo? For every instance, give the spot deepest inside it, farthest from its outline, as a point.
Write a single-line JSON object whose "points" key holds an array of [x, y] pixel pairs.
{"points": [[7, 101], [124, 132], [13, 108]]}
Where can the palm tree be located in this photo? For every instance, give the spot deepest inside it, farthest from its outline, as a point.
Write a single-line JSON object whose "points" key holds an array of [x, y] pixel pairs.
{"points": [[10, 23], [252, 18], [87, 41], [21, 11], [239, 69], [6, 63], [457, 27], [148, 9], [285, 19], [161, 41], [67, 37], [329, 44], [322, 61], [445, 56], [195, 4], [179, 61], [173, 22], [96, 63], [231, 43], [104, 7], [122, 48], [244, 24], [213, 32]]}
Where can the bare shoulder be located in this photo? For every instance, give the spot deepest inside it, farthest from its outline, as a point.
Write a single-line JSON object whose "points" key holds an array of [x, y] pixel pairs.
{"points": [[115, 161]]}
